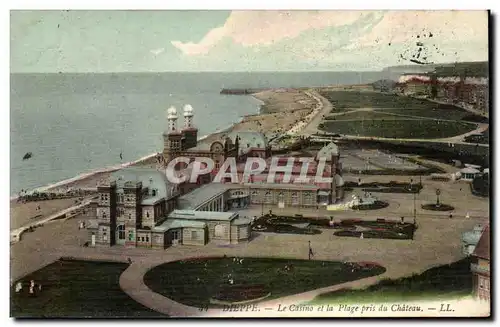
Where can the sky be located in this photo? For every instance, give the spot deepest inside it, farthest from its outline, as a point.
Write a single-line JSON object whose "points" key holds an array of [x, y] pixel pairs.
{"points": [[160, 41]]}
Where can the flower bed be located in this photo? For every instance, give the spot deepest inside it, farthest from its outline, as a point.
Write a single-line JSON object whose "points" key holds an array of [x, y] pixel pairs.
{"points": [[371, 206], [435, 207]]}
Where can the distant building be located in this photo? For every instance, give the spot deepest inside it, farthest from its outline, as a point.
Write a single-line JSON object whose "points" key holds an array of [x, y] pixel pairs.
{"points": [[471, 91], [480, 267], [469, 173], [412, 84]]}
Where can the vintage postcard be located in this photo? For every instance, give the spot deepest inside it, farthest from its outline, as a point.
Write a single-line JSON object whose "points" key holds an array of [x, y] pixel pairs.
{"points": [[326, 163]]}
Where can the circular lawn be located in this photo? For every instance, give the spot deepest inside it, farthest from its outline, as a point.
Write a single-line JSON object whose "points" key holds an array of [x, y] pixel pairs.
{"points": [[211, 282]]}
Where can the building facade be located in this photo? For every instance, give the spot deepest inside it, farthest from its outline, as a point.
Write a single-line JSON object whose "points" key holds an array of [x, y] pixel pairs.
{"points": [[129, 205], [480, 267], [137, 208]]}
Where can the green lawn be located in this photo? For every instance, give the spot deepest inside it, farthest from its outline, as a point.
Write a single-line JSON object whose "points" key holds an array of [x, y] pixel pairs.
{"points": [[389, 103], [195, 281], [342, 100], [418, 129], [451, 113], [360, 115], [443, 282], [77, 289]]}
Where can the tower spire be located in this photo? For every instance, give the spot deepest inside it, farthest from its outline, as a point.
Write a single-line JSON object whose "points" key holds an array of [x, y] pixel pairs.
{"points": [[188, 116], [172, 119]]}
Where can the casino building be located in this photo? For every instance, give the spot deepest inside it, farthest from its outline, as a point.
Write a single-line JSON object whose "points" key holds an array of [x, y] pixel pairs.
{"points": [[140, 207]]}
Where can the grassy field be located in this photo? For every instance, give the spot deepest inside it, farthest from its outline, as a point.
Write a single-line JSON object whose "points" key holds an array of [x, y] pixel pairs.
{"points": [[195, 282], [342, 100], [394, 116], [363, 115], [443, 282], [424, 129], [435, 113], [77, 289]]}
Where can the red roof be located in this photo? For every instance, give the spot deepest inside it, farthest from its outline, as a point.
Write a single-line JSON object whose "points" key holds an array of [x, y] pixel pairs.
{"points": [[482, 249]]}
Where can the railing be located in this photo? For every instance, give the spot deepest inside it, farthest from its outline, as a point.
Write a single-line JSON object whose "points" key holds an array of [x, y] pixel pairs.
{"points": [[480, 269]]}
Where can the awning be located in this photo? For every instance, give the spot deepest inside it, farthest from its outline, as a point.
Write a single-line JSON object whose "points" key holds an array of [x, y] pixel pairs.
{"points": [[324, 192]]}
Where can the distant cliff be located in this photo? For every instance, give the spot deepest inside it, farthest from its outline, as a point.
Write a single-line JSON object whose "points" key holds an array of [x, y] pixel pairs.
{"points": [[475, 69], [409, 69], [241, 91]]}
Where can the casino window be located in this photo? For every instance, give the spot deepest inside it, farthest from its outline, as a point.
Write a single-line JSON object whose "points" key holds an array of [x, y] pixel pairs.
{"points": [[268, 197]]}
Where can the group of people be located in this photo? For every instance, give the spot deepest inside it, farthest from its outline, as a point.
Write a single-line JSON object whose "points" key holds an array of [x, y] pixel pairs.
{"points": [[33, 288], [24, 196]]}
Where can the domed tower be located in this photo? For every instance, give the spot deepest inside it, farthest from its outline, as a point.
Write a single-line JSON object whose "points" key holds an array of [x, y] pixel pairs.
{"points": [[172, 137], [189, 132]]}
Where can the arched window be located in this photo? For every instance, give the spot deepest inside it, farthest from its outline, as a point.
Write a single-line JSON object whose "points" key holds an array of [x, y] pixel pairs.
{"points": [[268, 197], [147, 214], [307, 197], [121, 232]]}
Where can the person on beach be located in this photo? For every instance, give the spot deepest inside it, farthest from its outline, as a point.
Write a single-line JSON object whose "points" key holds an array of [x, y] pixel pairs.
{"points": [[19, 287], [32, 287]]}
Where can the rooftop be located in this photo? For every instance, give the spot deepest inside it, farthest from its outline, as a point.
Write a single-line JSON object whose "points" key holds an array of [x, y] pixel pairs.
{"points": [[202, 215], [149, 177], [249, 139], [469, 170], [197, 197], [328, 151], [178, 223], [482, 249]]}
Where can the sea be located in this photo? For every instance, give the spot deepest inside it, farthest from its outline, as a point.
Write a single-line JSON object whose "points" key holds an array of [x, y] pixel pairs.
{"points": [[79, 123]]}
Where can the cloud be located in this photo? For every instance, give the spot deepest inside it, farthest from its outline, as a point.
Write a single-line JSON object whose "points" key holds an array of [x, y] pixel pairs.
{"points": [[252, 28], [326, 38], [402, 26]]}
